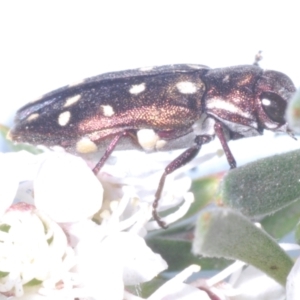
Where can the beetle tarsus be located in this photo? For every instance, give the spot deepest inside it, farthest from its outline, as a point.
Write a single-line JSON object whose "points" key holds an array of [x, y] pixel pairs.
{"points": [[158, 219]]}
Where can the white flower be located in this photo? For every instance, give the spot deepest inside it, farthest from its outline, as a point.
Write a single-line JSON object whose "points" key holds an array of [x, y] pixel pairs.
{"points": [[50, 241], [66, 189], [57, 183], [292, 286], [33, 249], [114, 261], [252, 284], [142, 173], [176, 289], [244, 284], [79, 242]]}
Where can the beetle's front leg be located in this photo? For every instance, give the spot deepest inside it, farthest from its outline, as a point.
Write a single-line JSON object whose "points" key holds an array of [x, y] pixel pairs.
{"points": [[178, 162], [220, 134]]}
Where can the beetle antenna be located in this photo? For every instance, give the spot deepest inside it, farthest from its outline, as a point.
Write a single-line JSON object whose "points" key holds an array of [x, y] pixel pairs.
{"points": [[258, 58]]}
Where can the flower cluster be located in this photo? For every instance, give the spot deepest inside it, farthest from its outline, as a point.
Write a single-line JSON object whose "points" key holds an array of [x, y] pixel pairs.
{"points": [[67, 234]]}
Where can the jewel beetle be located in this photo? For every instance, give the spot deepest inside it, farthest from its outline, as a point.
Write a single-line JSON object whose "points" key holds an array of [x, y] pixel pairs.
{"points": [[158, 109]]}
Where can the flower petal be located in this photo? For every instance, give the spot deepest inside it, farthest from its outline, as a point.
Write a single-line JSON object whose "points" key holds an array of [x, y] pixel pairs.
{"points": [[176, 289], [8, 184], [254, 284], [141, 264], [100, 269], [292, 285], [66, 189], [34, 252]]}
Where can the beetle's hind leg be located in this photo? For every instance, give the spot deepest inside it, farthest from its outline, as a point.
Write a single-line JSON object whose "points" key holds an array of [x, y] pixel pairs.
{"points": [[178, 162]]}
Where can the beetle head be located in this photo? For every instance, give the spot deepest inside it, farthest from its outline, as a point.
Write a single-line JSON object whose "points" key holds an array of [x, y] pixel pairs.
{"points": [[273, 91]]}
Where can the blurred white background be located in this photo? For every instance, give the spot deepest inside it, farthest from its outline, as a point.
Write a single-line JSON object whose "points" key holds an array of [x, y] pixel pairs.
{"points": [[48, 44]]}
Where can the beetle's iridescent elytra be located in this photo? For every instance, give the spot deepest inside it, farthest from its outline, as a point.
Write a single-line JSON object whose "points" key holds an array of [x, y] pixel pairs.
{"points": [[158, 109]]}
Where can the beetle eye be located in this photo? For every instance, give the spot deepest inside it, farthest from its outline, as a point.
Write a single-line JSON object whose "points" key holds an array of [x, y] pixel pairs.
{"points": [[274, 106]]}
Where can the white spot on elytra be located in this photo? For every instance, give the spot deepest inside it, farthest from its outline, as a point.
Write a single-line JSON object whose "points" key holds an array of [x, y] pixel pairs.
{"points": [[32, 117], [107, 110], [85, 145], [64, 118], [160, 144], [266, 102], [71, 100], [186, 87], [137, 88], [217, 103], [147, 139]]}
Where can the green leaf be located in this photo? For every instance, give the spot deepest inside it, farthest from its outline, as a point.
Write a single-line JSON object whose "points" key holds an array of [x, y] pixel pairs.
{"points": [[146, 289], [225, 233], [204, 190], [297, 233], [3, 274], [176, 252], [4, 227], [175, 247], [265, 186], [283, 221], [174, 243], [33, 282]]}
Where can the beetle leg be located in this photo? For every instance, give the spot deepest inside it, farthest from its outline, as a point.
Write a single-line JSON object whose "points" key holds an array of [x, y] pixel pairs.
{"points": [[220, 134], [109, 150], [178, 162]]}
